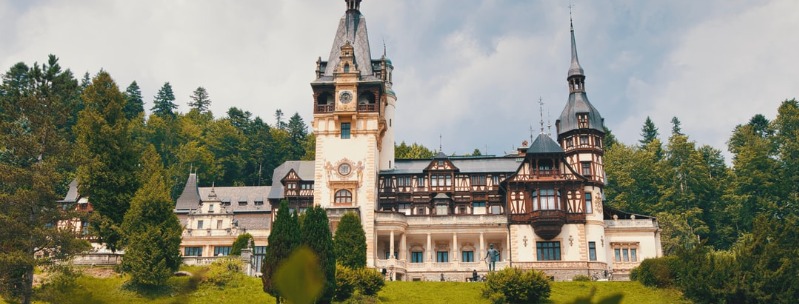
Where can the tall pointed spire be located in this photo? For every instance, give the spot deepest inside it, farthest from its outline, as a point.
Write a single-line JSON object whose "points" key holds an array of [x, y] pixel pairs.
{"points": [[575, 69]]}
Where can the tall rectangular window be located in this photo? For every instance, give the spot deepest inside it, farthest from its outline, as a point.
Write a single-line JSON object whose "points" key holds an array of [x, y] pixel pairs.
{"points": [[547, 199], [345, 130], [592, 251], [420, 182], [221, 250], [586, 168], [200, 224], [442, 256], [588, 204], [617, 253], [218, 224], [258, 253], [633, 255], [403, 181], [417, 257], [192, 251], [467, 256], [548, 251]]}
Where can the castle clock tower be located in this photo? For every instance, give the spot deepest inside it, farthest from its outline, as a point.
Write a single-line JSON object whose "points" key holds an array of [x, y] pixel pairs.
{"points": [[353, 120]]}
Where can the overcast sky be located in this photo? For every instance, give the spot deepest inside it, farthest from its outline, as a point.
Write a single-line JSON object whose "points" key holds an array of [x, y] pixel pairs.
{"points": [[471, 71]]}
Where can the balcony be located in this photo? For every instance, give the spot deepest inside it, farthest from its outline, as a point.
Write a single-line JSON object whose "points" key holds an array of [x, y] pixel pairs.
{"points": [[560, 265], [324, 108], [632, 223], [458, 220], [547, 223], [367, 107]]}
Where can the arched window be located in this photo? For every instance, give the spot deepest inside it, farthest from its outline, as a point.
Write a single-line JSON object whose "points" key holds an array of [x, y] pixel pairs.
{"points": [[346, 68], [343, 196]]}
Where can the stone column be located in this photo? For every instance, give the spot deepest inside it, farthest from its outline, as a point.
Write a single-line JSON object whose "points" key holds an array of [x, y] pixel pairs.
{"points": [[391, 246], [454, 247], [403, 248], [429, 249], [482, 247]]}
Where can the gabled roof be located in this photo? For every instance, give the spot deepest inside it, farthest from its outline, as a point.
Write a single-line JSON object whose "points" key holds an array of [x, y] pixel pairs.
{"points": [[543, 144], [72, 193], [190, 197], [468, 165], [303, 168]]}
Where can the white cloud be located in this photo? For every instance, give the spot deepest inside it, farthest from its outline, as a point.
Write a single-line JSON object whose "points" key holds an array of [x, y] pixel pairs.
{"points": [[471, 71], [725, 70]]}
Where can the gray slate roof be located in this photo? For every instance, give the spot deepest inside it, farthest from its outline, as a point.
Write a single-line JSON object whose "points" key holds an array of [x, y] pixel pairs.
{"points": [[72, 193], [304, 168], [189, 198], [235, 195], [574, 69], [352, 28], [467, 165], [543, 144], [578, 103]]}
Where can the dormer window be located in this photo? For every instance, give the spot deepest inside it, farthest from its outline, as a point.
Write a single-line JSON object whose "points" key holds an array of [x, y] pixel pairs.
{"points": [[582, 121], [242, 202], [211, 208]]}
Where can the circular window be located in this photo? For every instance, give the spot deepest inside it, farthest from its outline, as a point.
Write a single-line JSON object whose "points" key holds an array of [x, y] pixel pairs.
{"points": [[344, 169]]}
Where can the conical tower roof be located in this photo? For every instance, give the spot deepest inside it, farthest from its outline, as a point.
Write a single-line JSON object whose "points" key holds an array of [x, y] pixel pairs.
{"points": [[352, 29]]}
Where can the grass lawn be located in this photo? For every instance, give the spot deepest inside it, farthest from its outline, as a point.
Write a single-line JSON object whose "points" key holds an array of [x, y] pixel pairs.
{"points": [[112, 289]]}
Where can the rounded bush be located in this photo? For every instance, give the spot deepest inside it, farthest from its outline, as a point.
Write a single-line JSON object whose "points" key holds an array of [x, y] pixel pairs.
{"points": [[581, 278], [657, 272], [512, 285]]}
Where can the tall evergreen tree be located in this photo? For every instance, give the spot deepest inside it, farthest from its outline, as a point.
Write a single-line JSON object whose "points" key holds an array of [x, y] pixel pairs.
{"points": [[648, 132], [316, 236], [279, 123], [152, 231], [283, 239], [200, 100], [349, 243], [675, 126], [35, 161], [134, 104], [107, 157], [164, 102]]}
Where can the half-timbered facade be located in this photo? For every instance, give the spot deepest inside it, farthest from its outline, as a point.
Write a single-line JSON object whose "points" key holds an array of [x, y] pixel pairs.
{"points": [[542, 207]]}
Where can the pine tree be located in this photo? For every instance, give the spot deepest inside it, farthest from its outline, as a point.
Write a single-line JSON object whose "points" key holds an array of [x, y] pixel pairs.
{"points": [[200, 100], [164, 102], [152, 231], [34, 154], [675, 126], [283, 239], [350, 242], [316, 236], [107, 157], [648, 132], [134, 104]]}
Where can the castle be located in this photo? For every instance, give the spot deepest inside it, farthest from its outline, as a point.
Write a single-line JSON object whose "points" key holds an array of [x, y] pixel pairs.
{"points": [[425, 219]]}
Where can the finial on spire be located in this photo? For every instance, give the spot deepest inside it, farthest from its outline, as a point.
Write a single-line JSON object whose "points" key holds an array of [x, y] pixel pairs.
{"points": [[575, 69], [440, 143], [384, 48], [549, 124], [541, 111], [353, 4]]}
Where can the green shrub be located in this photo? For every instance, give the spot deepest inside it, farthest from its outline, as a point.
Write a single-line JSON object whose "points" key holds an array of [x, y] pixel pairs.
{"points": [[61, 280], [370, 281], [581, 278], [242, 241], [346, 279], [512, 285], [366, 281], [657, 272], [225, 272]]}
